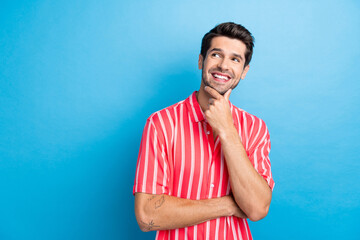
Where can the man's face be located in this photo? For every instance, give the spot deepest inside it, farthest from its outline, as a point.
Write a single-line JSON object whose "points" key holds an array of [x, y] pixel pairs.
{"points": [[223, 66]]}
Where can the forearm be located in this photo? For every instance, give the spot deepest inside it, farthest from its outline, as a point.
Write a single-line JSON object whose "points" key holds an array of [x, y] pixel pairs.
{"points": [[162, 212], [251, 192]]}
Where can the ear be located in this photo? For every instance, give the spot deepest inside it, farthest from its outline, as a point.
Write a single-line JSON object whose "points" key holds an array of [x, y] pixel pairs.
{"points": [[200, 62], [246, 69]]}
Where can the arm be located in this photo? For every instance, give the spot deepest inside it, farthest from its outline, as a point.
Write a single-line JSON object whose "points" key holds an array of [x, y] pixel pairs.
{"points": [[163, 212], [251, 192]]}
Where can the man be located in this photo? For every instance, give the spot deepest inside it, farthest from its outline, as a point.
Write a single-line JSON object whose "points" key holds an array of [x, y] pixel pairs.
{"points": [[203, 166]]}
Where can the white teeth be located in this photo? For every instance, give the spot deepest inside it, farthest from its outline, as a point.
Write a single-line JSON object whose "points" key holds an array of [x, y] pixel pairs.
{"points": [[220, 76]]}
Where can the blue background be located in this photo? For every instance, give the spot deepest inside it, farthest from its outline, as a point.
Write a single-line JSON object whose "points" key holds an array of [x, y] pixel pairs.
{"points": [[79, 78]]}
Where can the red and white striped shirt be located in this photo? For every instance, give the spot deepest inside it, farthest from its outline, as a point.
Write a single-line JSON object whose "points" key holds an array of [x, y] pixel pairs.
{"points": [[179, 157]]}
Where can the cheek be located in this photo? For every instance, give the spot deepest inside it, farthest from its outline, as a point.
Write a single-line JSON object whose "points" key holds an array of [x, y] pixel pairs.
{"points": [[210, 63], [236, 82]]}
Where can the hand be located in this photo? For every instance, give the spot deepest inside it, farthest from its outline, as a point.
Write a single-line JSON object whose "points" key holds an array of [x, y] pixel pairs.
{"points": [[218, 113], [234, 208]]}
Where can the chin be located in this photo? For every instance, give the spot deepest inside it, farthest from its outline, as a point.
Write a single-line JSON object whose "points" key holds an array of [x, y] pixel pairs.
{"points": [[220, 91]]}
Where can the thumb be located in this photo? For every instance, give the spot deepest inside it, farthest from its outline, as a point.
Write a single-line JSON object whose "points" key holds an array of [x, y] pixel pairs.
{"points": [[227, 94]]}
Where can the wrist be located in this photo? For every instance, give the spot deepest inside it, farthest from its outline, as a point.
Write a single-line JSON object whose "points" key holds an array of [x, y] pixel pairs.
{"points": [[228, 204], [227, 133]]}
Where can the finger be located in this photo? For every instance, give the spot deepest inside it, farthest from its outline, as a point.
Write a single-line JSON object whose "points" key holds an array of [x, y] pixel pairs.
{"points": [[227, 94], [211, 101], [212, 92]]}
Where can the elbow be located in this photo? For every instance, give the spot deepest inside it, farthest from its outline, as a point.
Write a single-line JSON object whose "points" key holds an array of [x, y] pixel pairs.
{"points": [[259, 213], [142, 224], [142, 219], [260, 208], [146, 216], [143, 228]]}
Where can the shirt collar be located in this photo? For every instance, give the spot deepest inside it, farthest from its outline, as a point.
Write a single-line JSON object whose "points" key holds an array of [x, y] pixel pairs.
{"points": [[196, 114]]}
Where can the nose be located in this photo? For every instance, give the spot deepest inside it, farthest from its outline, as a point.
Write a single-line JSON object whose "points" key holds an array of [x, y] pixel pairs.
{"points": [[223, 64]]}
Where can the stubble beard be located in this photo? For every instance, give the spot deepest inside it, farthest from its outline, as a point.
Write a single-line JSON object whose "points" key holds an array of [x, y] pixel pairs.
{"points": [[207, 83]]}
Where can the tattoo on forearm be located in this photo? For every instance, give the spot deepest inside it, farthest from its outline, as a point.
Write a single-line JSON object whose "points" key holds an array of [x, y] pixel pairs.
{"points": [[151, 198], [150, 225], [159, 202]]}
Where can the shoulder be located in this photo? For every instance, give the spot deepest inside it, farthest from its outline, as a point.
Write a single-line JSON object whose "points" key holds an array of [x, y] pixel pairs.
{"points": [[167, 114], [250, 119], [254, 127], [164, 121]]}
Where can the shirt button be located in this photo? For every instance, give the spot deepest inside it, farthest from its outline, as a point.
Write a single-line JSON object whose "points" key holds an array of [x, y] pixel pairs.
{"points": [[212, 185], [208, 132]]}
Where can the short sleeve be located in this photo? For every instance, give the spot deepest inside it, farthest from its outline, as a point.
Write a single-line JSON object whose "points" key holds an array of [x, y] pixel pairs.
{"points": [[152, 169], [259, 154]]}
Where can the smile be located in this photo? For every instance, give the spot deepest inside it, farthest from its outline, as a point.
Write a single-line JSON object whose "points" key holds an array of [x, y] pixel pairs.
{"points": [[220, 77]]}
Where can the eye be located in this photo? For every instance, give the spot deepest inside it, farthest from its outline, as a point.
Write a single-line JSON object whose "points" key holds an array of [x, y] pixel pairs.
{"points": [[236, 60], [215, 55]]}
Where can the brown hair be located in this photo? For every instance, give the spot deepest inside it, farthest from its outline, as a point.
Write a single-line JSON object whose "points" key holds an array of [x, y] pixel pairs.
{"points": [[230, 30]]}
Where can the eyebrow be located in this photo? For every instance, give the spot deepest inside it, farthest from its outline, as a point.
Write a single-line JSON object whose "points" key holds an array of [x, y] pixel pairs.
{"points": [[220, 50]]}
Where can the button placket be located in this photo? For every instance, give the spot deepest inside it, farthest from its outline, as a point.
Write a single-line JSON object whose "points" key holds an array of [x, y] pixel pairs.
{"points": [[210, 148]]}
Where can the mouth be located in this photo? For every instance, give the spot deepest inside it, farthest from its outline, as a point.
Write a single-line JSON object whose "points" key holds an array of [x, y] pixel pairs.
{"points": [[220, 77]]}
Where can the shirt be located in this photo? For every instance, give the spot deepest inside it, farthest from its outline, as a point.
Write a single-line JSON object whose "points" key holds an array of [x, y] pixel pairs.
{"points": [[179, 157]]}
